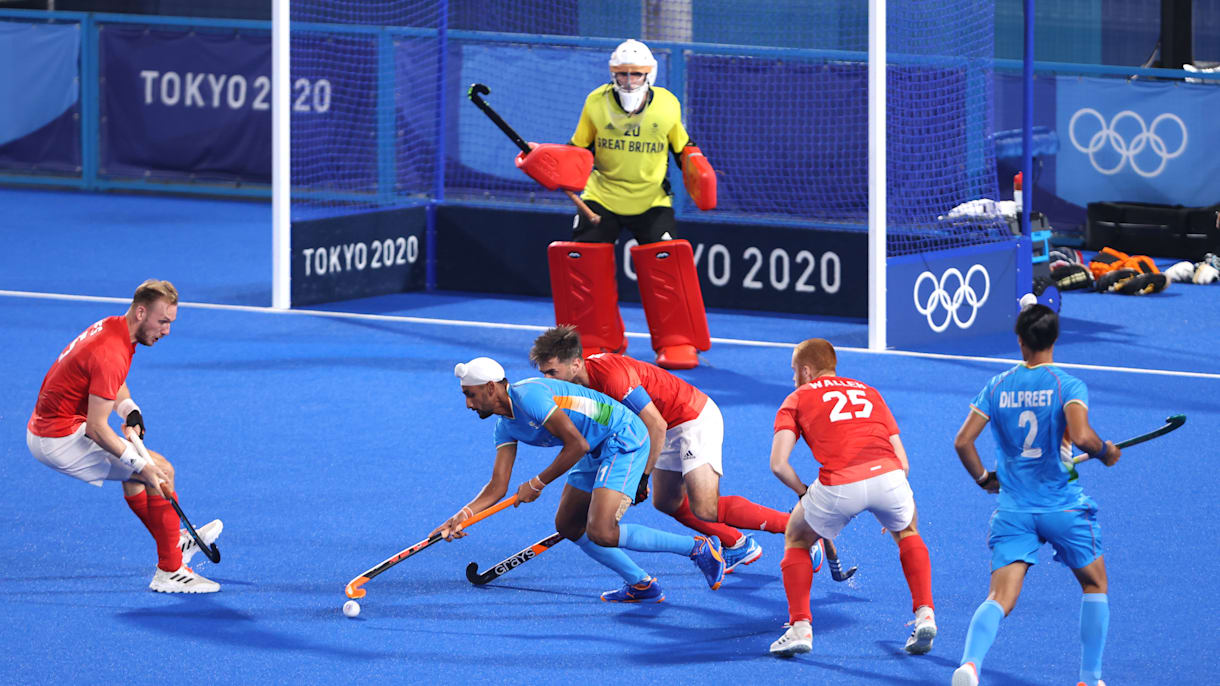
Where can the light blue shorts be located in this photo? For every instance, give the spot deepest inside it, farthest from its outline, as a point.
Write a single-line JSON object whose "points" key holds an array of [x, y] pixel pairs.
{"points": [[618, 465], [1074, 534]]}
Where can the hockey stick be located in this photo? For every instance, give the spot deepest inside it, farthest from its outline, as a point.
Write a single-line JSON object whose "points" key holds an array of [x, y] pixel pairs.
{"points": [[353, 589], [211, 551], [474, 576], [476, 90], [1171, 422], [832, 561]]}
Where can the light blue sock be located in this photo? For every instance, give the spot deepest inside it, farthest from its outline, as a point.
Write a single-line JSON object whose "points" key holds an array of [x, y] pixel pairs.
{"points": [[614, 558], [1094, 624], [648, 540], [983, 628]]}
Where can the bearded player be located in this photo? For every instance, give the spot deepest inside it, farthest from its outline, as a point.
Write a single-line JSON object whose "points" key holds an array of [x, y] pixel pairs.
{"points": [[70, 433], [686, 429]]}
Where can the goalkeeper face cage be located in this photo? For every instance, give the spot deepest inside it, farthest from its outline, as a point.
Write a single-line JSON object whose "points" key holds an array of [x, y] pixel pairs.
{"points": [[633, 70]]}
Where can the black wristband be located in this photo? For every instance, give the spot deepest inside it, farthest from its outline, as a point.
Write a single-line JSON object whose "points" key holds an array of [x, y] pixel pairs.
{"points": [[983, 479], [641, 491], [135, 419]]}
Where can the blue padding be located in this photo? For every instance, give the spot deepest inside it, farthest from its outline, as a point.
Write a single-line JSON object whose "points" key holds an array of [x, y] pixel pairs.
{"points": [[39, 72], [1008, 144]]}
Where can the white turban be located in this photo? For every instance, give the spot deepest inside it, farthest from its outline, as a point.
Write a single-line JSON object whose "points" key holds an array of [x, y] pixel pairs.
{"points": [[478, 371]]}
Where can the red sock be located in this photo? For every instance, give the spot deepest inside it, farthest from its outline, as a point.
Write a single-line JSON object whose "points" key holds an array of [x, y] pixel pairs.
{"points": [[727, 534], [797, 570], [735, 510], [918, 570], [139, 505], [163, 523]]}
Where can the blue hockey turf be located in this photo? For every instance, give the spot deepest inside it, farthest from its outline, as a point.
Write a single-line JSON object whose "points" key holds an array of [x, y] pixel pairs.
{"points": [[327, 443]]}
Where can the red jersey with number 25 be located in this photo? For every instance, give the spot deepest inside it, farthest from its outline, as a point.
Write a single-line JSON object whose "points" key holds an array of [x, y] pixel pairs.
{"points": [[616, 376], [847, 426], [94, 363]]}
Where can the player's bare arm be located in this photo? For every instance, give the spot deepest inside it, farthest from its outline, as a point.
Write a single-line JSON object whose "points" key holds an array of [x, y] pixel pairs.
{"points": [[964, 442], [781, 450], [652, 419], [97, 428], [574, 447], [901, 452], [490, 494], [1085, 438]]}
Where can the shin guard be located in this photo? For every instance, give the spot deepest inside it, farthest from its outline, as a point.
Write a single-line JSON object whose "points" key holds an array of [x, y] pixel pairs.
{"points": [[585, 292], [670, 293]]}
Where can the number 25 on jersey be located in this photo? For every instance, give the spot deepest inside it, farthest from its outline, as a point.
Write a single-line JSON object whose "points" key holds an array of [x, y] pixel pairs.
{"points": [[861, 407]]}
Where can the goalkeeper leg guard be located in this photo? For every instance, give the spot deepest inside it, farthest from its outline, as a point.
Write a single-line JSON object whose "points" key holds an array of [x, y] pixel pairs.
{"points": [[585, 292], [673, 302]]}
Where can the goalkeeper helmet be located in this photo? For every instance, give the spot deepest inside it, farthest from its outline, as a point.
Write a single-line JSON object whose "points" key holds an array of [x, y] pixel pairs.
{"points": [[633, 70]]}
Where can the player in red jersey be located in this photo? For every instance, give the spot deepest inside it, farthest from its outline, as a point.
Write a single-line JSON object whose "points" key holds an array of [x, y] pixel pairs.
{"points": [[70, 433], [686, 430], [854, 438]]}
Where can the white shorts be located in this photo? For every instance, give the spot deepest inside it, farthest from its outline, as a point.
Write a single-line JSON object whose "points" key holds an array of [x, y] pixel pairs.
{"points": [[888, 496], [694, 443], [78, 456]]}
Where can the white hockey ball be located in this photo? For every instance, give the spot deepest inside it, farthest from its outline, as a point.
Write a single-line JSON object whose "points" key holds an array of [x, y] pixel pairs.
{"points": [[1028, 299], [351, 608]]}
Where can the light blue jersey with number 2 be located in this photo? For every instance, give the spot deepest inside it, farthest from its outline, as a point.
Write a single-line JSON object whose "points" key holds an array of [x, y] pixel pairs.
{"points": [[1025, 408]]}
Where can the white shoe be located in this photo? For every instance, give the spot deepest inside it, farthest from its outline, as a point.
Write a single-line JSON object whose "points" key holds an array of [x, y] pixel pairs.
{"points": [[966, 675], [208, 532], [920, 640], [185, 580], [797, 639]]}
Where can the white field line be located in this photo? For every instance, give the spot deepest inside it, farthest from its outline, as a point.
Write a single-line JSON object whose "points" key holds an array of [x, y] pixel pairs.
{"points": [[532, 327]]}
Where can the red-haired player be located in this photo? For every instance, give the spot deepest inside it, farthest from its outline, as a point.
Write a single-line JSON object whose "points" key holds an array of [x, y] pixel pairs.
{"points": [[854, 438]]}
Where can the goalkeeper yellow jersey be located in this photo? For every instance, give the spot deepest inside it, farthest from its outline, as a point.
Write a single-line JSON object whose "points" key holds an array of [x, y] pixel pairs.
{"points": [[630, 152]]}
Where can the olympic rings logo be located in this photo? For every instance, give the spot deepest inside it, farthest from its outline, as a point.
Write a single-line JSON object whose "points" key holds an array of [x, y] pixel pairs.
{"points": [[1147, 137], [963, 294]]}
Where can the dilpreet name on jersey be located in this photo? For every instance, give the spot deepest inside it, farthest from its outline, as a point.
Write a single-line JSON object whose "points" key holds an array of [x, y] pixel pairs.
{"points": [[1040, 398], [648, 147]]}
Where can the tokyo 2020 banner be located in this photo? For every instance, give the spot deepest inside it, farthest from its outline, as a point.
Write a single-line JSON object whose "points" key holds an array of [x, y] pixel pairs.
{"points": [[197, 105], [184, 103]]}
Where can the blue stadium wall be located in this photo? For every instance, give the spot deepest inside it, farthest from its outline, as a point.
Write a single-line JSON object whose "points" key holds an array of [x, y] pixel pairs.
{"points": [[142, 131]]}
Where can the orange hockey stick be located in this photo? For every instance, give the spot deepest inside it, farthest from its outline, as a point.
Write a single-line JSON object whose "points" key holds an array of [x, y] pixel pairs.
{"points": [[353, 589]]}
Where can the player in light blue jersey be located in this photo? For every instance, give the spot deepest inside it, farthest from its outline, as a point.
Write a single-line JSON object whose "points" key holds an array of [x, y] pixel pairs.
{"points": [[1034, 409], [605, 449]]}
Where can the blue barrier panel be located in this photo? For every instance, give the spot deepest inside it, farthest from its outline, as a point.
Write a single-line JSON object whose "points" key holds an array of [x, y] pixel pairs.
{"points": [[40, 72], [356, 256], [944, 295], [778, 269], [1137, 141]]}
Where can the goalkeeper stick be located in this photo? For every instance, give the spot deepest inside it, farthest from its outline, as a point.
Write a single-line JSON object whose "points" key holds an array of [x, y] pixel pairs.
{"points": [[211, 551], [477, 90], [1171, 422], [353, 589], [474, 576]]}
